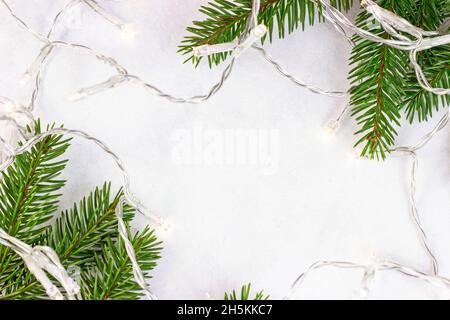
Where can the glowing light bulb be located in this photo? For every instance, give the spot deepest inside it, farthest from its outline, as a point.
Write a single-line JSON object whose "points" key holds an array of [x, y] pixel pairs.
{"points": [[129, 30], [77, 96], [26, 77], [260, 30], [201, 51], [331, 126], [355, 154], [165, 228], [364, 294], [8, 107]]}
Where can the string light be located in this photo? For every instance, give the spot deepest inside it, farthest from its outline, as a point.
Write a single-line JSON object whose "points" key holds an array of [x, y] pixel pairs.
{"points": [[333, 124], [123, 26], [405, 37], [386, 265], [129, 30], [110, 83]]}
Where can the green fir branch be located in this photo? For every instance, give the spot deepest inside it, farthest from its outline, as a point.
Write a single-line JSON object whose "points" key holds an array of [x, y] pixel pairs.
{"points": [[85, 237], [112, 275], [226, 19], [245, 294], [378, 77], [79, 233], [435, 64], [385, 82], [29, 194]]}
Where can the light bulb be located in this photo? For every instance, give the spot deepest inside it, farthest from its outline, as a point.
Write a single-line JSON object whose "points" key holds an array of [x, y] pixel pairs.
{"points": [[26, 77], [355, 154], [331, 126], [260, 30], [165, 229], [201, 51], [364, 294], [129, 30], [8, 107], [77, 96]]}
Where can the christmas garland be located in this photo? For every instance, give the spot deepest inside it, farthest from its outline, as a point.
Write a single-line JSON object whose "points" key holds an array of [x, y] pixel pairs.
{"points": [[94, 237]]}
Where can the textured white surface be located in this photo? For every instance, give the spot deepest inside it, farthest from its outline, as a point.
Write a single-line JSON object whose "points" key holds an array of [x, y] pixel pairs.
{"points": [[235, 223]]}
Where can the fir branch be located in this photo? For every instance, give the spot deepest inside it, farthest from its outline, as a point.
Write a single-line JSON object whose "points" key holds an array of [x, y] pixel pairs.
{"points": [[77, 236], [226, 20], [378, 76], [85, 237], [245, 294], [80, 232], [112, 278], [435, 64], [29, 195]]}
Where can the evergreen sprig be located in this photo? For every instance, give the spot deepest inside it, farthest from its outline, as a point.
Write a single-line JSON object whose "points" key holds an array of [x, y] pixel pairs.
{"points": [[115, 279], [245, 294], [435, 64], [226, 19], [29, 194], [378, 77], [85, 237], [385, 82]]}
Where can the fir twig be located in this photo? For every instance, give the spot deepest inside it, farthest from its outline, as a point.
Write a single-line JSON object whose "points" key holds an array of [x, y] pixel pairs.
{"points": [[379, 77], [245, 294], [85, 238], [112, 274], [226, 20], [385, 82], [29, 193], [435, 63]]}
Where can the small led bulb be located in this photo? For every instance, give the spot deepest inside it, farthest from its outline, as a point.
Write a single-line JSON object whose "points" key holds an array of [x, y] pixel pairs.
{"points": [[129, 30], [26, 77], [355, 154], [77, 96], [201, 51], [331, 126], [8, 108], [363, 293], [260, 30], [166, 227]]}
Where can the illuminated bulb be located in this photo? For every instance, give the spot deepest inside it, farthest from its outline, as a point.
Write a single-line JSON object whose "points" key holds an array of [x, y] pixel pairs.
{"points": [[8, 107], [166, 227], [207, 49], [364, 3], [76, 96], [129, 30], [201, 51], [255, 35], [363, 293], [260, 30], [331, 126], [355, 155], [26, 77]]}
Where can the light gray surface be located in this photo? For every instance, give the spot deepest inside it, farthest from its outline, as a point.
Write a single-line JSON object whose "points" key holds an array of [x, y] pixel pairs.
{"points": [[235, 223]]}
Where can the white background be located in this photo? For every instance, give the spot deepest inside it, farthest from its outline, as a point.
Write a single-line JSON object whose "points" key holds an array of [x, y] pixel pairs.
{"points": [[233, 224]]}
